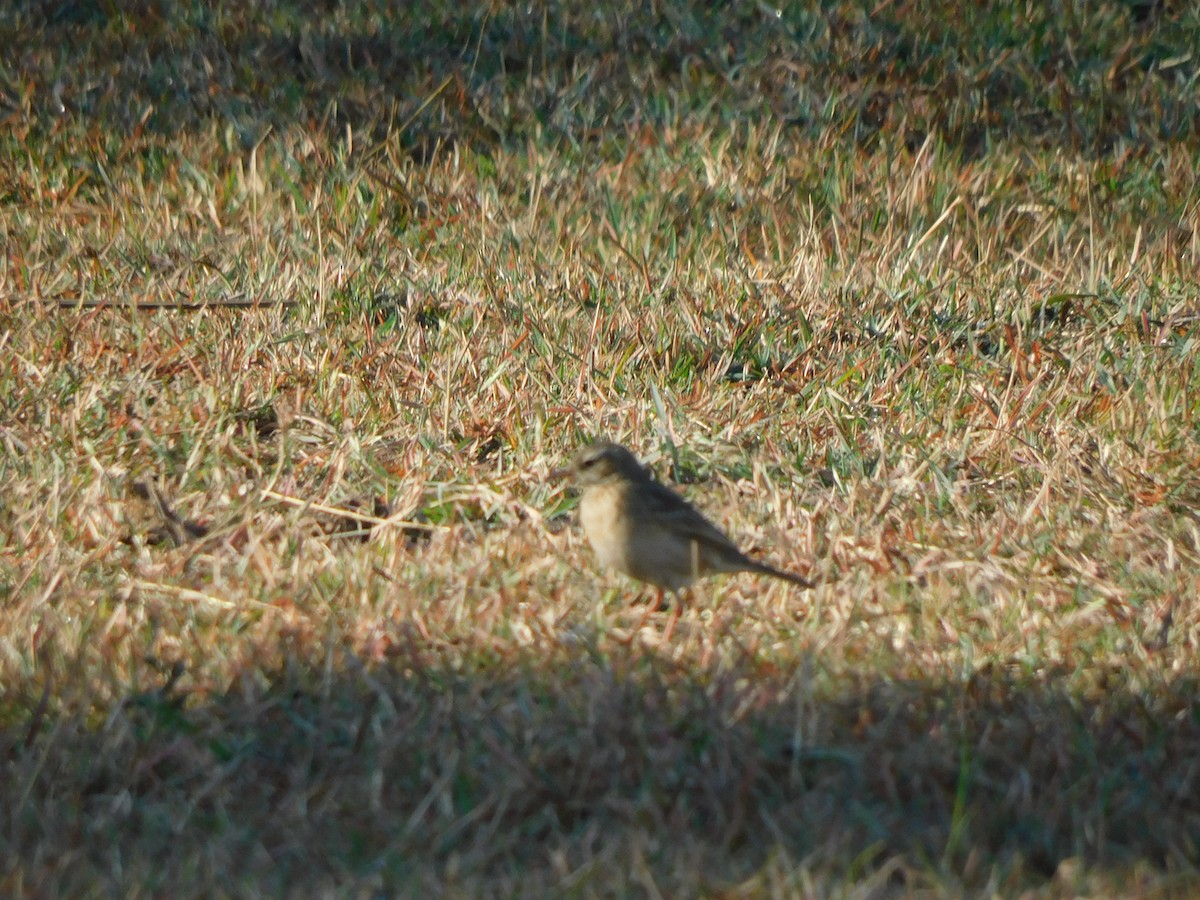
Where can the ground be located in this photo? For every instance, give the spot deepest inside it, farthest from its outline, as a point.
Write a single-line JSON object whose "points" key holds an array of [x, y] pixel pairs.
{"points": [[300, 305]]}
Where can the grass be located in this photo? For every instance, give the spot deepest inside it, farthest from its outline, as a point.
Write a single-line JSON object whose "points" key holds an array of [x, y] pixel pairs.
{"points": [[298, 309]]}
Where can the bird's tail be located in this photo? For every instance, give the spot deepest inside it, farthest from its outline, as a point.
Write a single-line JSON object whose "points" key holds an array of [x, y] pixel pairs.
{"points": [[763, 568]]}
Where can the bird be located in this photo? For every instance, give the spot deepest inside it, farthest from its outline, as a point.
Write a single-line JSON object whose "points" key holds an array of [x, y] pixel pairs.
{"points": [[641, 527]]}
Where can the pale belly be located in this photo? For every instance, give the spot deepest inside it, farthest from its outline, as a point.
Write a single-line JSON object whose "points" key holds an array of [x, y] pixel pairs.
{"points": [[639, 549]]}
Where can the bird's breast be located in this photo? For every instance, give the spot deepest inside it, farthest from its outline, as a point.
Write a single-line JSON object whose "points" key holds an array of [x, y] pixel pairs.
{"points": [[627, 537], [601, 512]]}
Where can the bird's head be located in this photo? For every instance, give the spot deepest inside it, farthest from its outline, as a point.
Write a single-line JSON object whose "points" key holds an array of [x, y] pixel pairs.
{"points": [[603, 461]]}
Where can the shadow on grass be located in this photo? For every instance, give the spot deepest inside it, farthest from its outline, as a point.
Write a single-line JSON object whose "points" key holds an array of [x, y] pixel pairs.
{"points": [[478, 74], [570, 769]]}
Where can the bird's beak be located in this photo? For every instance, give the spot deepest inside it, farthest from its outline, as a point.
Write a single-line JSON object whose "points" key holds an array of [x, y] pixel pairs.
{"points": [[559, 474]]}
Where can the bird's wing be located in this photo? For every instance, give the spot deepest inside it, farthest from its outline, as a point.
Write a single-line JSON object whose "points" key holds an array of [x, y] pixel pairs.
{"points": [[671, 512]]}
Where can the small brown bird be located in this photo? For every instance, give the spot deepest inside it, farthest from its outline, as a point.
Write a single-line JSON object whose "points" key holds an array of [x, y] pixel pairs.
{"points": [[643, 528]]}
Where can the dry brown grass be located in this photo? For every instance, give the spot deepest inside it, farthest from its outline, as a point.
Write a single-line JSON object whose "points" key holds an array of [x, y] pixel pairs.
{"points": [[287, 606]]}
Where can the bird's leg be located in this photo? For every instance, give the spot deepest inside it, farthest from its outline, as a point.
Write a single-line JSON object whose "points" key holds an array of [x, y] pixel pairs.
{"points": [[651, 606], [676, 609]]}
